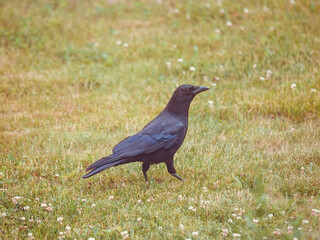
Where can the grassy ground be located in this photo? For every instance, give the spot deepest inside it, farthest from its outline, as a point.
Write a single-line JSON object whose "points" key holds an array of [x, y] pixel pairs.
{"points": [[76, 77]]}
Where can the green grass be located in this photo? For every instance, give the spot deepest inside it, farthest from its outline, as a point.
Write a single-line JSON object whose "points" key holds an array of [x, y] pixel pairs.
{"points": [[69, 93]]}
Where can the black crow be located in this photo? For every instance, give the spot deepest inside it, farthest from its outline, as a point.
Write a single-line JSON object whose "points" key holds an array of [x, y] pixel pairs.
{"points": [[158, 141]]}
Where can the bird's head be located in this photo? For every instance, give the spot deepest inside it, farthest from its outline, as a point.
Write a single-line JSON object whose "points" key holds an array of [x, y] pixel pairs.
{"points": [[182, 97], [190, 90]]}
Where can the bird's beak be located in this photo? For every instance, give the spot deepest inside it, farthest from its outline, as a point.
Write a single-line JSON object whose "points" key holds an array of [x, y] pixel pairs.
{"points": [[200, 89]]}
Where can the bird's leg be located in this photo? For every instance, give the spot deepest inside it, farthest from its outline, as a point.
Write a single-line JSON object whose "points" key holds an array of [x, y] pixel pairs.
{"points": [[145, 168], [172, 171]]}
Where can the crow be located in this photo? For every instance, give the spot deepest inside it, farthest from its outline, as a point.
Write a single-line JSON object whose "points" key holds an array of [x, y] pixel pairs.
{"points": [[158, 141]]}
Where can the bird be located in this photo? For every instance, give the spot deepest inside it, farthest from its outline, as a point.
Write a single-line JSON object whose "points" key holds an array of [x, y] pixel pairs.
{"points": [[158, 141]]}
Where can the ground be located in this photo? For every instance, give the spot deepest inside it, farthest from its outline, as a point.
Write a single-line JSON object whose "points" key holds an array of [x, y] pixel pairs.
{"points": [[76, 77]]}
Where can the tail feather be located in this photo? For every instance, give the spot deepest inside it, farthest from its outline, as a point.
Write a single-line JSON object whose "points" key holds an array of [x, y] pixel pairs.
{"points": [[103, 164], [100, 169], [103, 161]]}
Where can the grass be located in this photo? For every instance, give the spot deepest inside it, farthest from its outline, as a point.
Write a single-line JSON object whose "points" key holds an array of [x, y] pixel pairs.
{"points": [[70, 91]]}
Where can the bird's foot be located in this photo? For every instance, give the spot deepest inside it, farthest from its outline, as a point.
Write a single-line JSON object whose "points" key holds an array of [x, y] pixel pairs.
{"points": [[175, 175]]}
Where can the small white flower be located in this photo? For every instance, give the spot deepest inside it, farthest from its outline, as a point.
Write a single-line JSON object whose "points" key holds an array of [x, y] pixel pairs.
{"points": [[295, 239], [59, 219], [190, 208], [26, 208], [111, 198], [214, 84], [139, 201], [39, 221], [61, 233], [57, 175], [118, 42], [30, 234], [255, 220], [43, 205], [194, 210], [168, 64], [124, 233], [139, 219], [217, 31], [238, 217], [290, 227], [246, 10], [236, 209], [299, 228], [208, 5], [160, 228], [305, 221], [234, 215], [180, 60], [49, 209], [293, 85], [313, 90], [181, 226], [229, 23], [91, 238], [83, 200], [254, 66], [270, 215], [262, 78], [240, 53], [216, 78], [180, 197], [192, 69], [221, 10], [195, 233], [236, 235], [230, 220], [125, 45], [225, 232], [23, 218], [176, 10], [3, 214], [68, 228], [292, 2]]}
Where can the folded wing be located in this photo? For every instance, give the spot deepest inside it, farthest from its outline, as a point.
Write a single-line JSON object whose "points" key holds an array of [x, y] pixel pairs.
{"points": [[132, 146]]}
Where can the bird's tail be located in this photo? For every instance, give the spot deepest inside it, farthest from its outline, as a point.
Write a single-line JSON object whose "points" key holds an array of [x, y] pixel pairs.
{"points": [[103, 164]]}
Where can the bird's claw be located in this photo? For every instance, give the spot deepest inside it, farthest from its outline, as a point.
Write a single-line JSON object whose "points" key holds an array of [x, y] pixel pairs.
{"points": [[175, 175]]}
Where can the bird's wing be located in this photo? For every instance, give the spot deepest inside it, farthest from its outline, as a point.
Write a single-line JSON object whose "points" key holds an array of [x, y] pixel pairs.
{"points": [[144, 144]]}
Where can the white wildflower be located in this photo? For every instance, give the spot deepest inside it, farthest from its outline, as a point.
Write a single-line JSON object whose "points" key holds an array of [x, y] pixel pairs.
{"points": [[192, 69], [195, 233]]}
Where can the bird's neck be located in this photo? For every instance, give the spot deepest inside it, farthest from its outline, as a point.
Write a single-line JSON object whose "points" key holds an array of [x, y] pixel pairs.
{"points": [[178, 108]]}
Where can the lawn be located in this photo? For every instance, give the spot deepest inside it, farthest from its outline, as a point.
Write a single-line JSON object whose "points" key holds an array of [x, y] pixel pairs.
{"points": [[76, 77]]}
